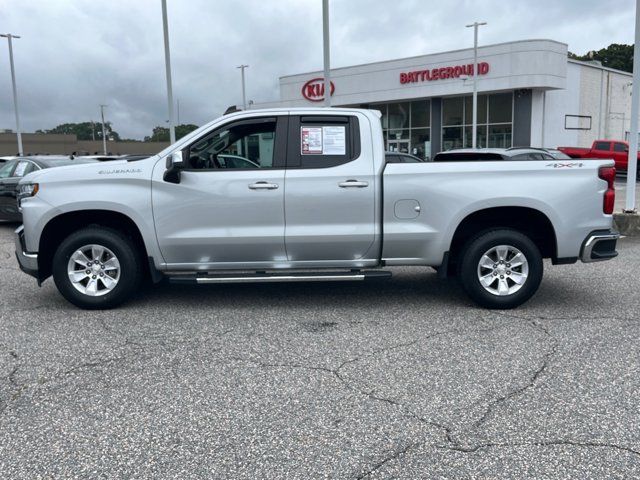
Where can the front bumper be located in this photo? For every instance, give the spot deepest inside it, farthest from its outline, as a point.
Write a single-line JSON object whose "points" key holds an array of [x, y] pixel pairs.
{"points": [[599, 245], [28, 262]]}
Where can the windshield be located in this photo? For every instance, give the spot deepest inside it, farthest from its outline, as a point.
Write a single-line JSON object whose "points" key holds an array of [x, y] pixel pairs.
{"points": [[7, 168]]}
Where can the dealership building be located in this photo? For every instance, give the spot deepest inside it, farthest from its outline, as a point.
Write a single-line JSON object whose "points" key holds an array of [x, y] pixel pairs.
{"points": [[529, 94]]}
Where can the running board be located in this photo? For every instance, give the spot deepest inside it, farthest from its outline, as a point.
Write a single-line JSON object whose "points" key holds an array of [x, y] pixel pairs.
{"points": [[281, 277]]}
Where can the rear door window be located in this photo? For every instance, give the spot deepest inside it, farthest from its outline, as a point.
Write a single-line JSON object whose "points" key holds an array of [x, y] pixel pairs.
{"points": [[23, 168], [619, 147], [602, 146], [322, 141]]}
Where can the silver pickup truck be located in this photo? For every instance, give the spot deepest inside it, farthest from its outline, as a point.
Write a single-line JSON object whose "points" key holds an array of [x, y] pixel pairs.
{"points": [[305, 195]]}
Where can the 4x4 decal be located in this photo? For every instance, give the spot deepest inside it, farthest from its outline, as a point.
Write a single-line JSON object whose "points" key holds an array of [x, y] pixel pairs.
{"points": [[565, 165]]}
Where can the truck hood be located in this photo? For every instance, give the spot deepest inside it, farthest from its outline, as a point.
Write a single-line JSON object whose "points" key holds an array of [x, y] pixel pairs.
{"points": [[90, 171]]}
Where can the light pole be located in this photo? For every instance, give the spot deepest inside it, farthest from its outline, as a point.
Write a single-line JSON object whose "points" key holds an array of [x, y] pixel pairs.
{"points": [[104, 133], [326, 53], [632, 165], [167, 63], [474, 123], [244, 93], [9, 37]]}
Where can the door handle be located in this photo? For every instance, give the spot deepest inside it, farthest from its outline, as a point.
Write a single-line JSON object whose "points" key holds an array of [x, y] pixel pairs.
{"points": [[263, 186], [353, 184]]}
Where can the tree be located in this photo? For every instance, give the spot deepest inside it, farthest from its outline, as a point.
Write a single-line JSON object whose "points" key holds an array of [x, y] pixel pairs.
{"points": [[161, 134], [616, 55], [85, 130]]}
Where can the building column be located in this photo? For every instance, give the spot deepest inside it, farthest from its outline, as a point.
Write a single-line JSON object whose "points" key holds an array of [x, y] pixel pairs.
{"points": [[522, 110], [436, 126]]}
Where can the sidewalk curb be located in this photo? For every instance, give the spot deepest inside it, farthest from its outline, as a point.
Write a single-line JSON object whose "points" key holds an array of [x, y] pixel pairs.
{"points": [[627, 224]]}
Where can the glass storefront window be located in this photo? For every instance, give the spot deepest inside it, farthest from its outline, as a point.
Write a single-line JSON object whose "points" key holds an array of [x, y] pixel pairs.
{"points": [[499, 136], [385, 118], [398, 134], [482, 109], [481, 136], [492, 109], [398, 115], [452, 111], [420, 113], [500, 107], [451, 138], [421, 143], [405, 126]]}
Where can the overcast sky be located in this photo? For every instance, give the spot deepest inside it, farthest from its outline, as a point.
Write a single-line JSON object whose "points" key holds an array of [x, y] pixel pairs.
{"points": [[76, 54]]}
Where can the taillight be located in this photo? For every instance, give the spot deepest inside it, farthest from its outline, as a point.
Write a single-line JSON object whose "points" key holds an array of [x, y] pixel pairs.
{"points": [[608, 174]]}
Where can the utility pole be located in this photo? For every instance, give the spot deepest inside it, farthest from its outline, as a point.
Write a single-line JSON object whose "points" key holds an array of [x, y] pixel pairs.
{"points": [[104, 132], [326, 53], [167, 64], [244, 92], [474, 122], [9, 37], [632, 165]]}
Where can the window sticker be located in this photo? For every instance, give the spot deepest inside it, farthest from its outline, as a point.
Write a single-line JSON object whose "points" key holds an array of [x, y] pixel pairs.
{"points": [[323, 140], [334, 140], [311, 140]]}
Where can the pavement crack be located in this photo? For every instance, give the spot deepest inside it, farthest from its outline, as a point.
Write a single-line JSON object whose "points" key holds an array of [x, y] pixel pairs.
{"points": [[16, 387], [534, 376], [446, 431], [547, 443], [94, 364], [381, 463]]}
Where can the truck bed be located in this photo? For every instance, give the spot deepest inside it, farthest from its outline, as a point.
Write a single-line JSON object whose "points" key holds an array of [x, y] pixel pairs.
{"points": [[445, 193]]}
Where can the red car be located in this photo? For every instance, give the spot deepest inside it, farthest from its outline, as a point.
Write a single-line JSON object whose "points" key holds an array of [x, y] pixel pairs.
{"points": [[614, 149]]}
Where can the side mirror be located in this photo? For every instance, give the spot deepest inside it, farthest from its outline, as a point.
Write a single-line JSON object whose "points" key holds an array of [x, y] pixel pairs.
{"points": [[175, 160], [175, 163]]}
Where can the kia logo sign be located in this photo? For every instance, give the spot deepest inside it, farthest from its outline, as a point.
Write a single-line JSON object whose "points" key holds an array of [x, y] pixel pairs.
{"points": [[313, 90]]}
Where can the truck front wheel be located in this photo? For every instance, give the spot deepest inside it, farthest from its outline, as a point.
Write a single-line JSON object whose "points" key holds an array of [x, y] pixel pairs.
{"points": [[97, 268], [500, 269]]}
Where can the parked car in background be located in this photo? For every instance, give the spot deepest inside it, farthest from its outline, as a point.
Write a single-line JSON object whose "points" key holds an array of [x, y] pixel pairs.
{"points": [[492, 154], [557, 154], [6, 159], [616, 150], [12, 171], [235, 161], [134, 157], [397, 157], [100, 158]]}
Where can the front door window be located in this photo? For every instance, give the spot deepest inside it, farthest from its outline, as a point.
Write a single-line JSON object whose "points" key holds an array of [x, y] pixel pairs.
{"points": [[246, 145]]}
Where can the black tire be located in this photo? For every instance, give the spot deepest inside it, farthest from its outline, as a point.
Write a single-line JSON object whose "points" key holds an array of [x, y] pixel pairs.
{"points": [[472, 254], [121, 246]]}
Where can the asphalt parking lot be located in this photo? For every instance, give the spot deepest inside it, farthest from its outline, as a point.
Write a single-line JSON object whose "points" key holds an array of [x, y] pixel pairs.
{"points": [[402, 378]]}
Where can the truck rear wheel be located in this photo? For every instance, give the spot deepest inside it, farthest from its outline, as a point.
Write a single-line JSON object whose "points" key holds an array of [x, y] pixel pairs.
{"points": [[97, 268], [500, 269]]}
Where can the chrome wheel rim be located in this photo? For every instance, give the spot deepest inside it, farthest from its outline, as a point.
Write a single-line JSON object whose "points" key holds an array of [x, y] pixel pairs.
{"points": [[93, 270], [503, 270]]}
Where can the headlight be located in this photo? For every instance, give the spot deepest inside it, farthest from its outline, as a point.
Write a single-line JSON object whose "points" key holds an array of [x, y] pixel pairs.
{"points": [[27, 190]]}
